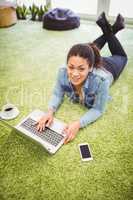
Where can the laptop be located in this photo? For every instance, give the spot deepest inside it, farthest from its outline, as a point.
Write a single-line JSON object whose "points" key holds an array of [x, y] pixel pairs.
{"points": [[52, 138]]}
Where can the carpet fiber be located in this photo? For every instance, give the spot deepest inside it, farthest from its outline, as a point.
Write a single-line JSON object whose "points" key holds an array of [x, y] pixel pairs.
{"points": [[29, 62]]}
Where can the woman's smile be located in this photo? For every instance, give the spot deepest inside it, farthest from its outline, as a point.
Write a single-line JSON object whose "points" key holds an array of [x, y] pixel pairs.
{"points": [[75, 79]]}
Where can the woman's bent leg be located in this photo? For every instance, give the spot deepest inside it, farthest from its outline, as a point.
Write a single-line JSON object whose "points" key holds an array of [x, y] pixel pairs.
{"points": [[115, 63], [100, 41], [115, 46]]}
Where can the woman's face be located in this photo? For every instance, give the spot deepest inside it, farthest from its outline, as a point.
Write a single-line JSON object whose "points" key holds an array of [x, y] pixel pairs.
{"points": [[77, 69]]}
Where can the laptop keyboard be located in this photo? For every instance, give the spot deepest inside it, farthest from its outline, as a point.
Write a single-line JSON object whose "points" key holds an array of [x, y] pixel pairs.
{"points": [[48, 135]]}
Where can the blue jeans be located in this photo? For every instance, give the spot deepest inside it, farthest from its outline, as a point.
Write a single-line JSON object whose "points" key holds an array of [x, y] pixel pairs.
{"points": [[117, 61], [115, 64]]}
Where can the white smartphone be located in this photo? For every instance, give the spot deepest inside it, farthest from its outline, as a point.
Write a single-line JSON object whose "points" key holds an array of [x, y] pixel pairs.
{"points": [[85, 152]]}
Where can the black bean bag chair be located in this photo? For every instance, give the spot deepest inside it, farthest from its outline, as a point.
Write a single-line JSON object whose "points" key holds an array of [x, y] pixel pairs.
{"points": [[60, 19]]}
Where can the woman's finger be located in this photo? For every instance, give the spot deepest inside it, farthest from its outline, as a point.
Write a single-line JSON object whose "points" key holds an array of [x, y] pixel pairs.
{"points": [[65, 129], [68, 137], [41, 128], [49, 122], [38, 127], [40, 124]]}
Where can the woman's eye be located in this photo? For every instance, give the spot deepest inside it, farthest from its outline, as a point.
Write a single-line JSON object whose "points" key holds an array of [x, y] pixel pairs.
{"points": [[70, 67], [81, 69]]}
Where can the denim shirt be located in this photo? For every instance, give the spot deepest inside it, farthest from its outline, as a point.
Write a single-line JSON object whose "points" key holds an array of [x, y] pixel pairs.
{"points": [[95, 89]]}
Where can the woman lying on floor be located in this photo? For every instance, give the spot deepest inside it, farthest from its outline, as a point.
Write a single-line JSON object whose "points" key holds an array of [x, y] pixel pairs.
{"points": [[87, 77]]}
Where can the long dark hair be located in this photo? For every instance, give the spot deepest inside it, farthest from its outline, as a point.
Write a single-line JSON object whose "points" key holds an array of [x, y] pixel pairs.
{"points": [[88, 51]]}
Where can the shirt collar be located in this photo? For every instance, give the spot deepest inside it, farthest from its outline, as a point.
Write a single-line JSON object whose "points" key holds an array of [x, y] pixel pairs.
{"points": [[87, 81]]}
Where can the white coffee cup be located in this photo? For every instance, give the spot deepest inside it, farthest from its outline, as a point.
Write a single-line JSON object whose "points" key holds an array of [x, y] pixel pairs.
{"points": [[9, 111]]}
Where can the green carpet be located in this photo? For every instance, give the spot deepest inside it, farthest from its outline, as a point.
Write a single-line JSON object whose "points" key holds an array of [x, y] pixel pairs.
{"points": [[29, 61]]}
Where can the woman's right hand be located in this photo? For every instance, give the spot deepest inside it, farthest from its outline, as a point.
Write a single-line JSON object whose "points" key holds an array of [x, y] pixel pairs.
{"points": [[46, 120]]}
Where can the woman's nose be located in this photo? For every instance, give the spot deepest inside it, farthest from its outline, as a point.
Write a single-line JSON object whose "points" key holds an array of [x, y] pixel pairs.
{"points": [[75, 73]]}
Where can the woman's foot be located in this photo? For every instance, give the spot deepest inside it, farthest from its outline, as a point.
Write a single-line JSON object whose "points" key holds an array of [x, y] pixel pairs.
{"points": [[103, 23], [119, 24]]}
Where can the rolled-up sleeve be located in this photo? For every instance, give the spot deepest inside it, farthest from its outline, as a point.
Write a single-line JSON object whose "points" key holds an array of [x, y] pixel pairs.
{"points": [[58, 93], [99, 105]]}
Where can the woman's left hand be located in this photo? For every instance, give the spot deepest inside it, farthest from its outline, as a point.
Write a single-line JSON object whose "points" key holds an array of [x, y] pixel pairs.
{"points": [[71, 130]]}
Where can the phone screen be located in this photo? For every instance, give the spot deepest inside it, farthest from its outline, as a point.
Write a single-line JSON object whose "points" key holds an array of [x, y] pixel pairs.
{"points": [[85, 152]]}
